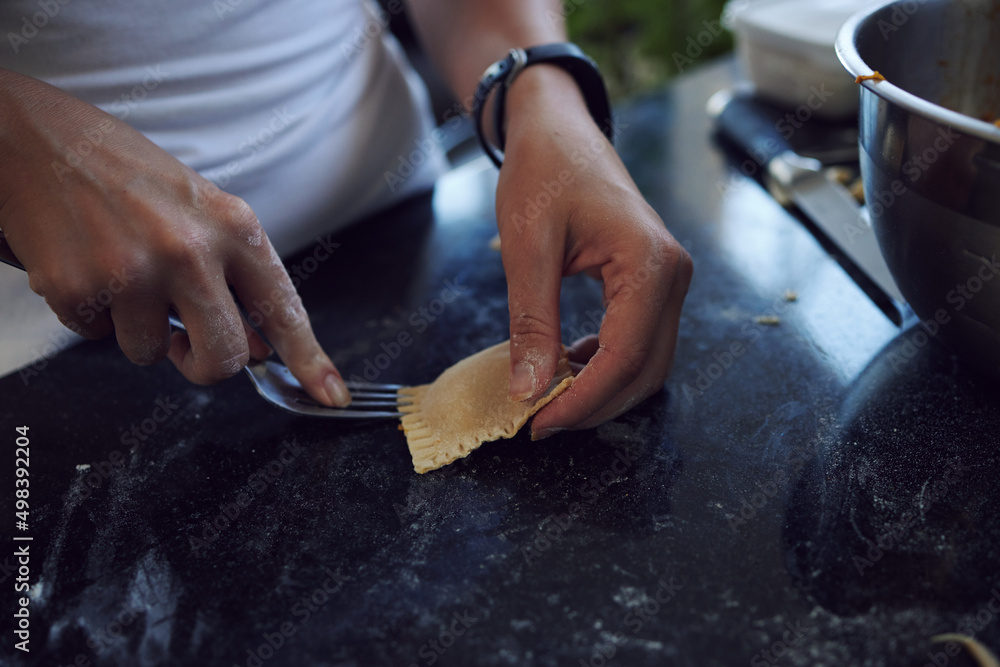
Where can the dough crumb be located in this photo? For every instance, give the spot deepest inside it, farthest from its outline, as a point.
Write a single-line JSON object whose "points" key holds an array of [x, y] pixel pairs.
{"points": [[857, 190], [495, 243], [871, 77], [83, 467], [841, 175], [791, 295], [768, 320]]}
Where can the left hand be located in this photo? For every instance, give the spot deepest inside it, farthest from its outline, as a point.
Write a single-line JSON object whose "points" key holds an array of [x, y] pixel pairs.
{"points": [[566, 204]]}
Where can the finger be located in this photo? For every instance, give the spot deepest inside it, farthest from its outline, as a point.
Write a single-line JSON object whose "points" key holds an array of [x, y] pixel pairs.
{"points": [[259, 350], [180, 348], [263, 285], [533, 282], [141, 328], [215, 346], [633, 358], [582, 350], [80, 314], [97, 328], [595, 395]]}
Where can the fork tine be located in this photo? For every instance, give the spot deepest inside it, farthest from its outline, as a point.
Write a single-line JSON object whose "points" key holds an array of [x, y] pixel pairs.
{"points": [[360, 405], [340, 413], [358, 409], [373, 386], [357, 406], [384, 396], [373, 404], [369, 400], [361, 414]]}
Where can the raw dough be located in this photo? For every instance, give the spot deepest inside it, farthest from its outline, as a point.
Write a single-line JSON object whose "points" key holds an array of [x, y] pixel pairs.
{"points": [[467, 406]]}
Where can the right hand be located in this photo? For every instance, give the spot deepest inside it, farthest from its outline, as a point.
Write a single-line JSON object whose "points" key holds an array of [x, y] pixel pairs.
{"points": [[114, 231]]}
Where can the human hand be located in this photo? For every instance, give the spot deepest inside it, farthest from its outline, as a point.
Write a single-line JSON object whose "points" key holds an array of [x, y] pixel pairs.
{"points": [[566, 204], [114, 232]]}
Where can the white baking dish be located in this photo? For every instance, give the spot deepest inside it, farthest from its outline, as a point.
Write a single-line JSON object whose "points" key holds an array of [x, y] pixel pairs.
{"points": [[786, 49]]}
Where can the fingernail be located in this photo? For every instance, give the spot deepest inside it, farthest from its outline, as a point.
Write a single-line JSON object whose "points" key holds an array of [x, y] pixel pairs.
{"points": [[522, 382], [545, 433], [337, 391]]}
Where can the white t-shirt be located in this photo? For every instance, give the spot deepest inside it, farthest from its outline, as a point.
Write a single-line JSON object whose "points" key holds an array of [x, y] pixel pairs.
{"points": [[307, 109]]}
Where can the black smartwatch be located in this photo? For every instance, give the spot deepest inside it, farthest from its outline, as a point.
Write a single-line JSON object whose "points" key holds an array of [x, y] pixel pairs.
{"points": [[502, 73]]}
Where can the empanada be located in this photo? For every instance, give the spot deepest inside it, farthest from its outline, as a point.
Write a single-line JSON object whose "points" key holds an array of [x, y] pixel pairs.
{"points": [[467, 405]]}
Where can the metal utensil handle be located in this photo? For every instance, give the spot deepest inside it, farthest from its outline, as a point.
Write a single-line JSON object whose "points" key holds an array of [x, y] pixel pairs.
{"points": [[739, 121]]}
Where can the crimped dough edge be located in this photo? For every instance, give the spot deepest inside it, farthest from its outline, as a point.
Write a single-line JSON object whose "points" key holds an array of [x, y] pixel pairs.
{"points": [[430, 452]]}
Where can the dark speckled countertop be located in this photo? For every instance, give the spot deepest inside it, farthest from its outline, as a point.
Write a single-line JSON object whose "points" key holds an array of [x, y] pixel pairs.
{"points": [[820, 492]]}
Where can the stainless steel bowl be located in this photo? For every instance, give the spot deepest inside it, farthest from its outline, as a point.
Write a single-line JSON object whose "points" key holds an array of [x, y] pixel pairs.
{"points": [[930, 159]]}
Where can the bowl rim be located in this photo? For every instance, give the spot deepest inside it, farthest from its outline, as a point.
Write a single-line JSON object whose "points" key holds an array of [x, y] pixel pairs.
{"points": [[849, 57]]}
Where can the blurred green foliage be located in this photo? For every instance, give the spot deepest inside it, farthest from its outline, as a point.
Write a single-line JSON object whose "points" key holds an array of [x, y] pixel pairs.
{"points": [[639, 44]]}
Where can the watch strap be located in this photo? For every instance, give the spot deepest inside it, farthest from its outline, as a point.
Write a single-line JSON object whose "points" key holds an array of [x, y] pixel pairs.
{"points": [[501, 75]]}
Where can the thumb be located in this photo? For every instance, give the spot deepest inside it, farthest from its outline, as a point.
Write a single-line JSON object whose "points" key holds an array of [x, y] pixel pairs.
{"points": [[533, 281]]}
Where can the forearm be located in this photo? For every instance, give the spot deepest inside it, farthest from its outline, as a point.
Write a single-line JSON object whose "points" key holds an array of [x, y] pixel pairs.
{"points": [[565, 204], [463, 37]]}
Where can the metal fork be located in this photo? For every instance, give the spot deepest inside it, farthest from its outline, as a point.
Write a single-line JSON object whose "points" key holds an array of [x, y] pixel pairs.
{"points": [[279, 387]]}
